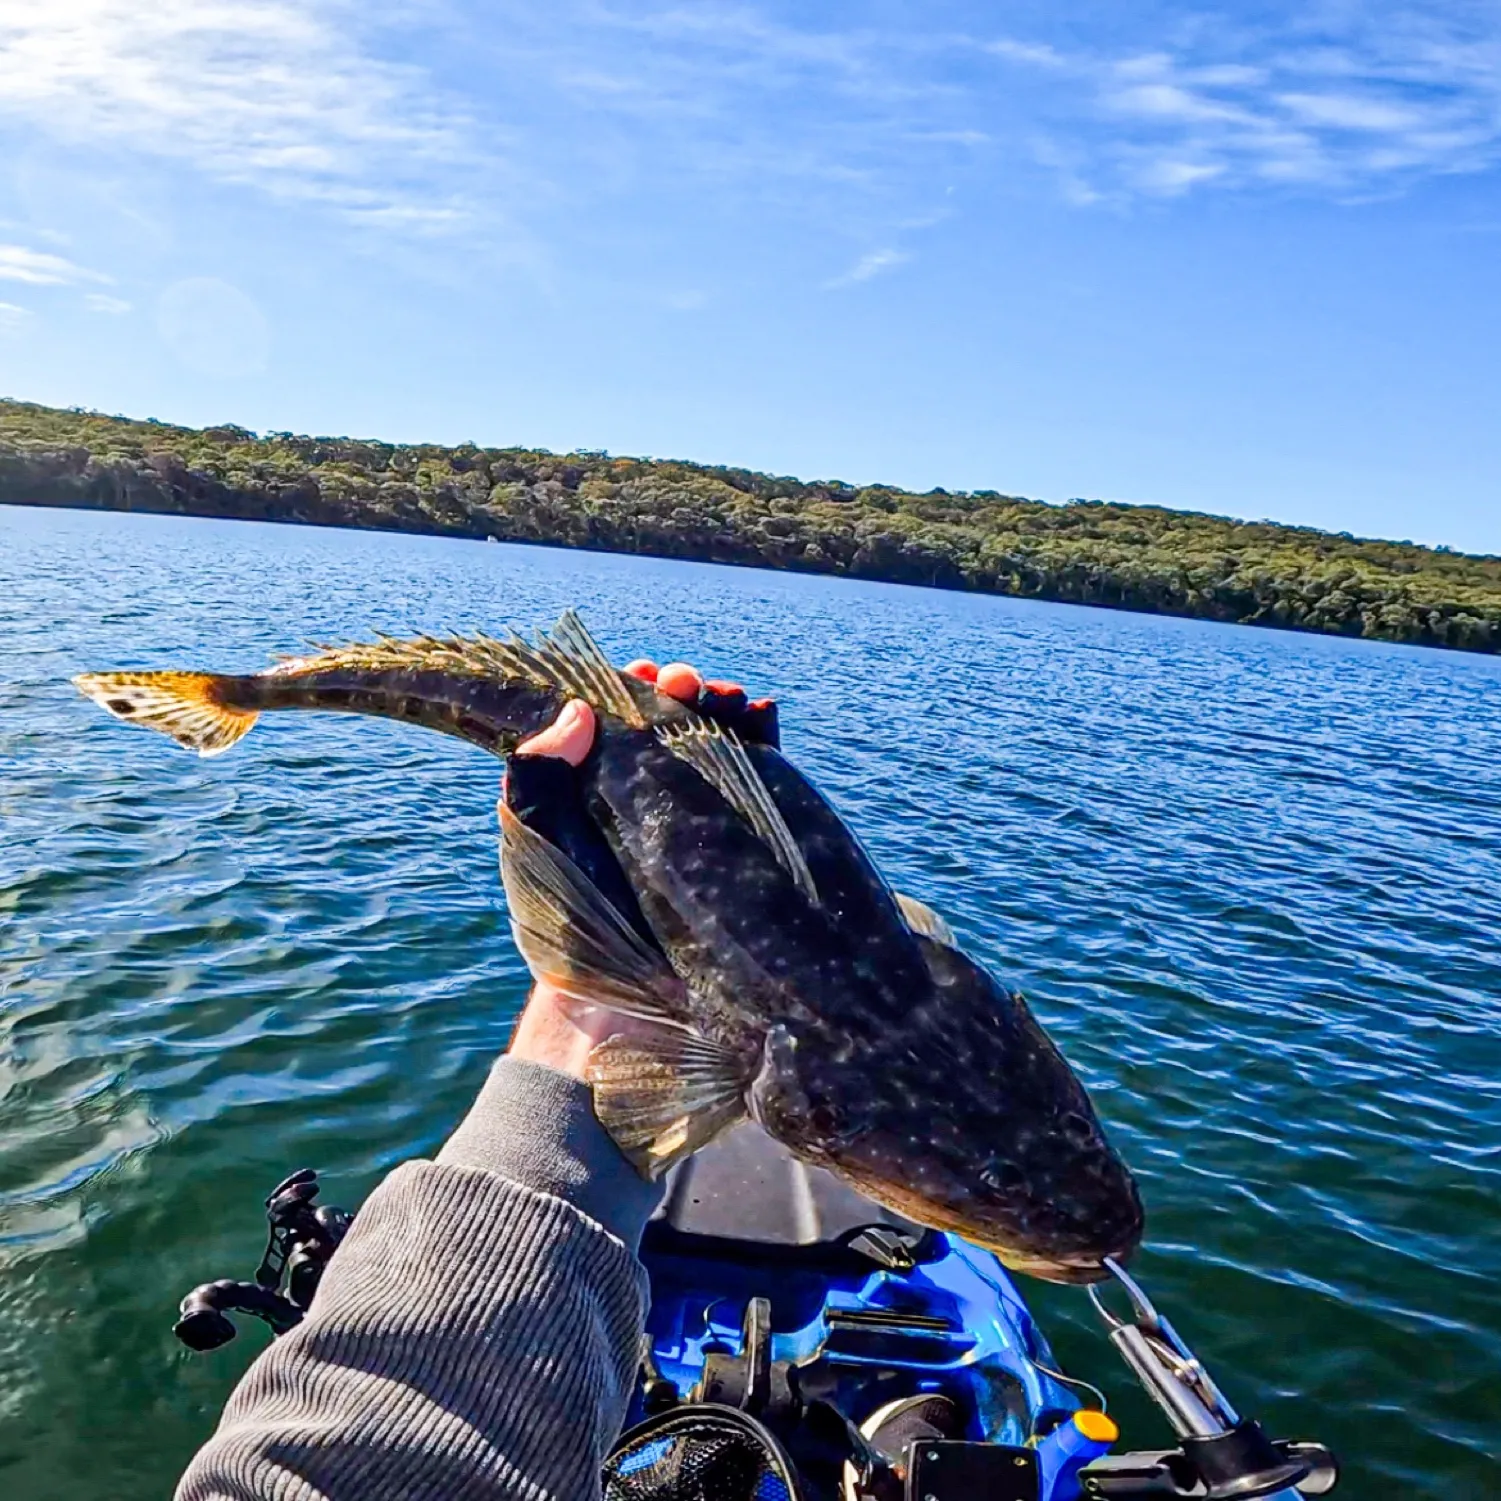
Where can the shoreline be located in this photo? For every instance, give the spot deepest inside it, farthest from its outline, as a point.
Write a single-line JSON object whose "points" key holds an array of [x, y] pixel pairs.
{"points": [[1139, 559]]}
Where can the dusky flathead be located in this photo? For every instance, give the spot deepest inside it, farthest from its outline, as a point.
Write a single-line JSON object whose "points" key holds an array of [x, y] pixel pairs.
{"points": [[692, 877]]}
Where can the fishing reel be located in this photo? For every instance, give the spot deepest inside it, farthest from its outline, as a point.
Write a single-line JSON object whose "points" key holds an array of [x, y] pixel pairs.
{"points": [[1222, 1456], [301, 1238]]}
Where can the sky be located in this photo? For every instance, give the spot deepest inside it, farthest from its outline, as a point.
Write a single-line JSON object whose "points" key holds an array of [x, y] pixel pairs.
{"points": [[1243, 259]]}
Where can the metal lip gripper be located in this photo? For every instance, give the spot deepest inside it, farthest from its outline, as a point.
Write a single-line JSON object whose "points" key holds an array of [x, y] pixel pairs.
{"points": [[1223, 1457]]}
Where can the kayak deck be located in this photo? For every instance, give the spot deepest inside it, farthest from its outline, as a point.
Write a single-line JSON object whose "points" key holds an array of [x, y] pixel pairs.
{"points": [[864, 1306]]}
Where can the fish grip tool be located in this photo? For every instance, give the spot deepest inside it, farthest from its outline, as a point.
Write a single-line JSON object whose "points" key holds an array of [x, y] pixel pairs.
{"points": [[1222, 1456], [301, 1237]]}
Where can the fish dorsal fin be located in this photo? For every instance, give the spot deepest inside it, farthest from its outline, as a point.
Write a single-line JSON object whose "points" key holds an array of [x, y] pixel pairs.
{"points": [[717, 755], [922, 919], [573, 938], [664, 1095], [567, 658], [575, 660]]}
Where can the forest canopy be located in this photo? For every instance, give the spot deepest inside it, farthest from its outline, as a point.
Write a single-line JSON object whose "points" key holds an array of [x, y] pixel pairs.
{"points": [[1128, 557]]}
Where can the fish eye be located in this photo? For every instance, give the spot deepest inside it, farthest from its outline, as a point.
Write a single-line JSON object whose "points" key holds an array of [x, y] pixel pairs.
{"points": [[823, 1120], [1076, 1129], [1002, 1175]]}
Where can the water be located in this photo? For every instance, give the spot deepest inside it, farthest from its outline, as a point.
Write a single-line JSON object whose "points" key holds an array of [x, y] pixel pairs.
{"points": [[1250, 881]]}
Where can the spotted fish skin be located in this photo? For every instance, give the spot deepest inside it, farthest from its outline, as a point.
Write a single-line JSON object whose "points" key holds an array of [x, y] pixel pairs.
{"points": [[491, 715], [492, 692], [897, 1062], [707, 888]]}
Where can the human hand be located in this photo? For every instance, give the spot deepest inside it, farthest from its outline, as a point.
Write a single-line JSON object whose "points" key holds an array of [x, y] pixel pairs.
{"points": [[556, 1030]]}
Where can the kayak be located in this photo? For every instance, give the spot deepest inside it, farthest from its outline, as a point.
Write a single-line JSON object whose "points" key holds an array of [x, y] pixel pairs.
{"points": [[849, 1288], [796, 1326], [780, 1292]]}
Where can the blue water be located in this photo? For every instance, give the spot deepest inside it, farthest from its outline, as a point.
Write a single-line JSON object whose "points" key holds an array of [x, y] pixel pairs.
{"points": [[1249, 880]]}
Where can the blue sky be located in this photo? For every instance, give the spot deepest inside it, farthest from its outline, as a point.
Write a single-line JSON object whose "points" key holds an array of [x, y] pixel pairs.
{"points": [[1244, 259]]}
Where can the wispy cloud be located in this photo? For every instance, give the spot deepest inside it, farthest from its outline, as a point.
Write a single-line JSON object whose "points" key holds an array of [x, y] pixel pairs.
{"points": [[1351, 112], [1034, 54], [1169, 177], [1323, 96], [872, 264], [1333, 99], [270, 93], [740, 100], [12, 316], [100, 302], [438, 118], [38, 268]]}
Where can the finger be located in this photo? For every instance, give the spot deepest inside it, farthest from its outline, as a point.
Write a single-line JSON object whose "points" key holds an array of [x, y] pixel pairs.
{"points": [[680, 681], [722, 698], [729, 705], [544, 790], [759, 723], [718, 698], [569, 737]]}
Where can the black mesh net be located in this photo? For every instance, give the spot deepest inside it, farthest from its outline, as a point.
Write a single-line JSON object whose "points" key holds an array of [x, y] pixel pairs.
{"points": [[699, 1454]]}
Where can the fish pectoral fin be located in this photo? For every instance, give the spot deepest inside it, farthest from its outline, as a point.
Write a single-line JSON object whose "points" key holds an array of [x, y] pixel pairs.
{"points": [[573, 938], [184, 705], [718, 756], [923, 920], [662, 1097]]}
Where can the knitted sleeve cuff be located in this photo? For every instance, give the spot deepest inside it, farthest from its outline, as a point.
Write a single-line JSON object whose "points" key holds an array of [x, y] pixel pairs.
{"points": [[536, 1126]]}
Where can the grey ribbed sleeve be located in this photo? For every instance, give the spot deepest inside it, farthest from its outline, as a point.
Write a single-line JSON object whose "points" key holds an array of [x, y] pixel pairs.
{"points": [[477, 1333]]}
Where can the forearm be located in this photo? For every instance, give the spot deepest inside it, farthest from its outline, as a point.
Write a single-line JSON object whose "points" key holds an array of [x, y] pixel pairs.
{"points": [[477, 1333]]}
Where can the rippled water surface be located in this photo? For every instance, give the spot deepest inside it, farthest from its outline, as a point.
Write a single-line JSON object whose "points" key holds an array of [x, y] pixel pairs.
{"points": [[1250, 881]]}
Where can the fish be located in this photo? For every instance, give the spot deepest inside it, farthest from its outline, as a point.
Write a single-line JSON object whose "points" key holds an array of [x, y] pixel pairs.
{"points": [[689, 876]]}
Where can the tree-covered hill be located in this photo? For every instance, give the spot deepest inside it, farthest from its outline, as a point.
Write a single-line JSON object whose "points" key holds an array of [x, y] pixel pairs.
{"points": [[1086, 552]]}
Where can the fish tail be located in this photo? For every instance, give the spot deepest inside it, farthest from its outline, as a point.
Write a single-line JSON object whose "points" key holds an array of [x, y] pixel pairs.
{"points": [[191, 707]]}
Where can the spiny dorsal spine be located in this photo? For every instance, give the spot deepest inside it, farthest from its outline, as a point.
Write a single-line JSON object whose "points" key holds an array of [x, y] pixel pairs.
{"points": [[567, 658], [719, 757]]}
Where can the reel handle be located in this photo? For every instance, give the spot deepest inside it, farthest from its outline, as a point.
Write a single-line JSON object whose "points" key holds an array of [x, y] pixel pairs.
{"points": [[301, 1236], [202, 1322]]}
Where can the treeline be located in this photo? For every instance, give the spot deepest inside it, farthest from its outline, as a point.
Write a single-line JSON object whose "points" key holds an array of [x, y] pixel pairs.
{"points": [[1085, 552]]}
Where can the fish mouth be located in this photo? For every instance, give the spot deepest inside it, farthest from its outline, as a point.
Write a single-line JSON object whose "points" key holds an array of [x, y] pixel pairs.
{"points": [[1072, 1271]]}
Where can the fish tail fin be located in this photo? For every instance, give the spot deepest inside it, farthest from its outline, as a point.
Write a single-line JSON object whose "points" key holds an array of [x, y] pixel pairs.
{"points": [[188, 706]]}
